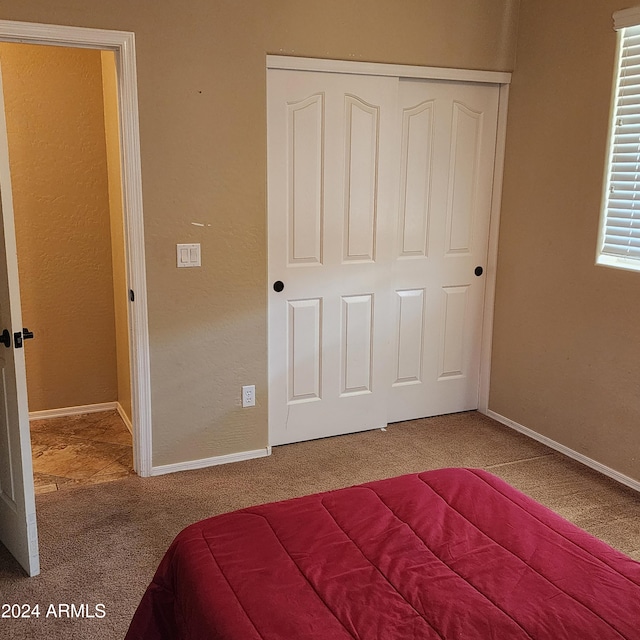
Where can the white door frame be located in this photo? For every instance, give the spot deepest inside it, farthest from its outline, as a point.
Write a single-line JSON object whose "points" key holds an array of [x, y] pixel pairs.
{"points": [[500, 78], [122, 43]]}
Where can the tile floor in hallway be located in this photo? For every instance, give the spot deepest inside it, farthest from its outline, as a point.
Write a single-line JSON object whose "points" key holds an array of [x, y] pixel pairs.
{"points": [[83, 449]]}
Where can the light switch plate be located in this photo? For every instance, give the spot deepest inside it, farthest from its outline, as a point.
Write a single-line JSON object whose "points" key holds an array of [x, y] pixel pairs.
{"points": [[188, 255]]}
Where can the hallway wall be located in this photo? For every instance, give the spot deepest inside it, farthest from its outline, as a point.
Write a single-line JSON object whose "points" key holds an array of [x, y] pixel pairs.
{"points": [[55, 123], [118, 257]]}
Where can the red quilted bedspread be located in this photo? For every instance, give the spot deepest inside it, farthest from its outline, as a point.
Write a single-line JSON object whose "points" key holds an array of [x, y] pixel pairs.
{"points": [[453, 553]]}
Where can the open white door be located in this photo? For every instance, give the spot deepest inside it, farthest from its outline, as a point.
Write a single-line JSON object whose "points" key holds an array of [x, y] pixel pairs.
{"points": [[18, 530]]}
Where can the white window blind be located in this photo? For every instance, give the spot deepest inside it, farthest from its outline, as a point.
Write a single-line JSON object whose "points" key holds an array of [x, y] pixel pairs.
{"points": [[620, 233]]}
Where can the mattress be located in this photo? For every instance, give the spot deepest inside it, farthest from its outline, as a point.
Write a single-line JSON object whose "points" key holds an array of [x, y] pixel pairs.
{"points": [[451, 553]]}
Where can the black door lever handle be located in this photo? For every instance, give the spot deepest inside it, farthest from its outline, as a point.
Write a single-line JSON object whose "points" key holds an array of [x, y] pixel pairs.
{"points": [[5, 337]]}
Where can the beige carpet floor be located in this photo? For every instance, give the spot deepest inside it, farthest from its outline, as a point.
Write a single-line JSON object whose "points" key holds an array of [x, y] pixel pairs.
{"points": [[102, 543]]}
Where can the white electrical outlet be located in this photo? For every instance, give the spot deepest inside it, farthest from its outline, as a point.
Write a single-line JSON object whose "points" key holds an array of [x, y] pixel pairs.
{"points": [[249, 395]]}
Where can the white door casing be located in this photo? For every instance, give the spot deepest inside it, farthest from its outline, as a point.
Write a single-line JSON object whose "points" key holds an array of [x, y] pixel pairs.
{"points": [[18, 529], [435, 201], [122, 43]]}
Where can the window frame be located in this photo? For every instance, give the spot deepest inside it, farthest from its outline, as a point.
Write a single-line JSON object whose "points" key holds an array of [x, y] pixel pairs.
{"points": [[621, 19]]}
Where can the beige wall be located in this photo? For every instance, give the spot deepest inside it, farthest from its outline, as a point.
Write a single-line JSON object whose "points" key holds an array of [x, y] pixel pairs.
{"points": [[201, 82], [118, 260], [55, 125], [566, 358]]}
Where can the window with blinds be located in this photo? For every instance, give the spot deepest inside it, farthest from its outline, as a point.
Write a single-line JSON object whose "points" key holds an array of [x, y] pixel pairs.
{"points": [[620, 231]]}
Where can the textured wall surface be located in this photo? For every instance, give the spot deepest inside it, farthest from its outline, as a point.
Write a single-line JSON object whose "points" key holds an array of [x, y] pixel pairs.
{"points": [[202, 98], [120, 288], [55, 127], [566, 359]]}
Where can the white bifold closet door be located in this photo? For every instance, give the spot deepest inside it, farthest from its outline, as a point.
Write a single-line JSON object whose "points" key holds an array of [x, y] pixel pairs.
{"points": [[379, 195]]}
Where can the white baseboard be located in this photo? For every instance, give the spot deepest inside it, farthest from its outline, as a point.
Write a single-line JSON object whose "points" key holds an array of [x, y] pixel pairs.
{"points": [[589, 462], [84, 408], [125, 418], [72, 411], [210, 462]]}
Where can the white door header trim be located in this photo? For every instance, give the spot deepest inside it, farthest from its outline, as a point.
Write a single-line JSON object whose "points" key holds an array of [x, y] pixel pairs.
{"points": [[381, 69], [64, 36]]}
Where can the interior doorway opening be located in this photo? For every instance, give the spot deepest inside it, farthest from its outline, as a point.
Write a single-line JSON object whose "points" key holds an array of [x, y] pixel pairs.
{"points": [[61, 107], [18, 521]]}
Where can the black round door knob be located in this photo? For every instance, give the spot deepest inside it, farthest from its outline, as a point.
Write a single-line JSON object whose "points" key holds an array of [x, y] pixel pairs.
{"points": [[478, 271], [278, 286]]}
